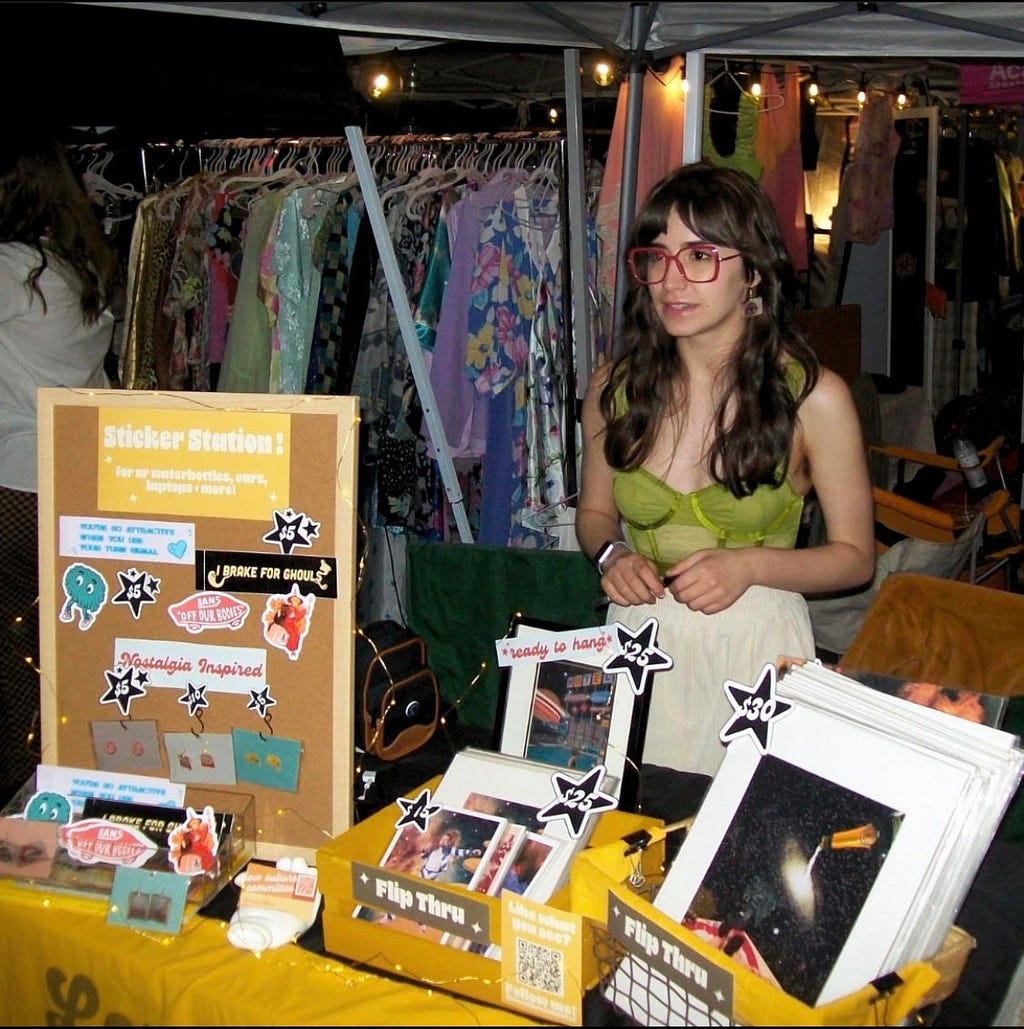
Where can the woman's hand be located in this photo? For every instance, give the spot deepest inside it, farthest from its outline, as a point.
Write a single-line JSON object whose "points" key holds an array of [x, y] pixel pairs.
{"points": [[631, 579], [711, 580]]}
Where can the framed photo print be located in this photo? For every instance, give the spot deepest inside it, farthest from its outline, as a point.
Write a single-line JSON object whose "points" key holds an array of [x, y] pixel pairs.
{"points": [[558, 705]]}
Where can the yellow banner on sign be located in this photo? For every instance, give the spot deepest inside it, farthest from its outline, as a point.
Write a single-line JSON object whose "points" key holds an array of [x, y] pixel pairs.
{"points": [[203, 464]]}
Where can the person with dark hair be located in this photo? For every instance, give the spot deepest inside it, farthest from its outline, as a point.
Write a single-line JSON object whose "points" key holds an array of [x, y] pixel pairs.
{"points": [[59, 281], [701, 440]]}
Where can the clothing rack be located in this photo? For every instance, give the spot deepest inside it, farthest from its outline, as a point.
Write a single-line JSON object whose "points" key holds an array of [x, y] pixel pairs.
{"points": [[378, 158], [375, 212]]}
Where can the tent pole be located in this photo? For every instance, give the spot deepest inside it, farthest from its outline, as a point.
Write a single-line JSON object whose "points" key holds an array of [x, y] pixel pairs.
{"points": [[630, 158], [693, 125], [400, 301], [574, 259]]}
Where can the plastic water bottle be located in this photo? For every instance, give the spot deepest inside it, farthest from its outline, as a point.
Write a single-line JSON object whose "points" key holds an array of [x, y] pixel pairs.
{"points": [[966, 455]]}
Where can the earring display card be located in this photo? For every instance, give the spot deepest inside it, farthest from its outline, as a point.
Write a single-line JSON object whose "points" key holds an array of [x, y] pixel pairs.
{"points": [[27, 847], [150, 900], [207, 758], [265, 760], [127, 746]]}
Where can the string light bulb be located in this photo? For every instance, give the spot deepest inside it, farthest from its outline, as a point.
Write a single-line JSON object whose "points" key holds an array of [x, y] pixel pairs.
{"points": [[813, 88], [755, 82], [380, 78], [901, 96], [603, 72]]}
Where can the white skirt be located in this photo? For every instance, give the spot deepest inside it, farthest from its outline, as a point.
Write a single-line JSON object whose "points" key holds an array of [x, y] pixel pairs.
{"points": [[689, 705]]}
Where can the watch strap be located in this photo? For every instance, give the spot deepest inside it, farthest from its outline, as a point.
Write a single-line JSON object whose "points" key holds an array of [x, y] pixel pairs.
{"points": [[606, 550]]}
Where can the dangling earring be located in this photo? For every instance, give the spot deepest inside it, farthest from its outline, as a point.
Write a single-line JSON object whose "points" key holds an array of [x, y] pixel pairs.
{"points": [[754, 305]]}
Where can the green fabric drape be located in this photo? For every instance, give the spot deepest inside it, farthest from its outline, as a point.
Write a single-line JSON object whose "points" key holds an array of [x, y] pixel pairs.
{"points": [[463, 597]]}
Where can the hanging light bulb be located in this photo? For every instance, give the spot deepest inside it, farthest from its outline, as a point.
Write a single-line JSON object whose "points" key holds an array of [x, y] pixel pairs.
{"points": [[755, 82], [553, 115], [380, 84], [862, 93], [380, 78], [603, 73], [813, 88], [901, 96]]}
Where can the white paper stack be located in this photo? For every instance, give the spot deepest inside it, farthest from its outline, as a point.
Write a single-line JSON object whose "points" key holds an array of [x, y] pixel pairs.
{"points": [[846, 848]]}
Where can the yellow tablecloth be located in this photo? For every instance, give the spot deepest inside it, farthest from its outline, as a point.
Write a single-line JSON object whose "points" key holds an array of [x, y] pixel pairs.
{"points": [[62, 964]]}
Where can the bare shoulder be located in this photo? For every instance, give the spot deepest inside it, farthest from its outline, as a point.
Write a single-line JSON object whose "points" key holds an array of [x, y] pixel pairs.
{"points": [[829, 392]]}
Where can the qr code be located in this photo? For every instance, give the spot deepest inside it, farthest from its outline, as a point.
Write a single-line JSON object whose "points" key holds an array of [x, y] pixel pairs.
{"points": [[540, 967]]}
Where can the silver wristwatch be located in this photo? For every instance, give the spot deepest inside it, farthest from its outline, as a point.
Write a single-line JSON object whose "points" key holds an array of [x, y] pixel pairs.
{"points": [[606, 550]]}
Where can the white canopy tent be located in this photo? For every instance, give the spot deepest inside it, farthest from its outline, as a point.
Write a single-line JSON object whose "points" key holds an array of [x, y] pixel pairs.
{"points": [[643, 33], [963, 30]]}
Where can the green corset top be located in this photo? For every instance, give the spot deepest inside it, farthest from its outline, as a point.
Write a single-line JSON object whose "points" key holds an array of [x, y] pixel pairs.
{"points": [[666, 525]]}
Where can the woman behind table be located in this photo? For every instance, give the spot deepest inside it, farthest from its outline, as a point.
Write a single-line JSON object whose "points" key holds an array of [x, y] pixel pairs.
{"points": [[700, 442], [57, 282]]}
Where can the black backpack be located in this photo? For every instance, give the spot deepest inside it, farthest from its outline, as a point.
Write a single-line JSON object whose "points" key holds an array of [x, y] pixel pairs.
{"points": [[397, 699]]}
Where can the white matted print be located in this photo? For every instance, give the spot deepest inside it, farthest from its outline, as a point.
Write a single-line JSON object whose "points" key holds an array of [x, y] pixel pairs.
{"points": [[817, 851], [560, 707]]}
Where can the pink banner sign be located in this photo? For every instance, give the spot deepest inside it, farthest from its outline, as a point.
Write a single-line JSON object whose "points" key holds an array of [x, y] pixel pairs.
{"points": [[991, 83]]}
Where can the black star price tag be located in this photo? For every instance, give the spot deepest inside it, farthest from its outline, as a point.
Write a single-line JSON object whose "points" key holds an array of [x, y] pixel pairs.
{"points": [[577, 799], [756, 709], [137, 588], [260, 701], [638, 655], [417, 812], [123, 686], [292, 530], [195, 698]]}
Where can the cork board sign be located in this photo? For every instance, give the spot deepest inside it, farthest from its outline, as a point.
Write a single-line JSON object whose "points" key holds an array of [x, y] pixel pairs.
{"points": [[197, 597]]}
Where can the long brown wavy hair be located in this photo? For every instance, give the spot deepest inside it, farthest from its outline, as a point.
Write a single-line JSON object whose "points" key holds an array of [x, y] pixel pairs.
{"points": [[753, 435], [43, 205]]}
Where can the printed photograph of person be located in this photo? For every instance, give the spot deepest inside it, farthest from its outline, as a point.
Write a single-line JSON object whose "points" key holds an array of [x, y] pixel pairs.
{"points": [[451, 851]]}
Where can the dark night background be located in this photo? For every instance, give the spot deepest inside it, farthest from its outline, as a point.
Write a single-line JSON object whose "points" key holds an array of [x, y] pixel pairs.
{"points": [[157, 76]]}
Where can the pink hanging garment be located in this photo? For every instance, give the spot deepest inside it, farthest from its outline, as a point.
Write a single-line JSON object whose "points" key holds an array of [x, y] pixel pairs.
{"points": [[777, 146], [660, 150]]}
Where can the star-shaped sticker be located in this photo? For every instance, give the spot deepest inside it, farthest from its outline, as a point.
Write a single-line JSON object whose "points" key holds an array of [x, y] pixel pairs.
{"points": [[122, 688], [639, 655], [261, 701], [577, 799], [137, 588], [417, 812], [756, 708], [292, 530], [195, 698]]}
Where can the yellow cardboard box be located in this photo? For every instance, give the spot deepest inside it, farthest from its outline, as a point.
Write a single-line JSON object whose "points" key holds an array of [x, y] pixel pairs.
{"points": [[629, 932], [426, 961]]}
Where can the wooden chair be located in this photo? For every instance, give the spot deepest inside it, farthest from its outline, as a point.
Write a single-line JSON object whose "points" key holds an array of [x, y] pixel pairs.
{"points": [[941, 537], [1000, 545]]}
